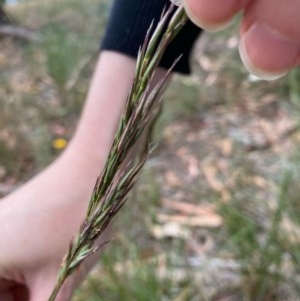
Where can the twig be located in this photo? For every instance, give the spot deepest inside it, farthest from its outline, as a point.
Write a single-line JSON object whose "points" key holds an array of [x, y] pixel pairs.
{"points": [[269, 143], [209, 221], [82, 66], [19, 33]]}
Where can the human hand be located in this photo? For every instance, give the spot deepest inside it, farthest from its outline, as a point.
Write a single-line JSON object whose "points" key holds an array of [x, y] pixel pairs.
{"points": [[37, 223], [270, 36]]}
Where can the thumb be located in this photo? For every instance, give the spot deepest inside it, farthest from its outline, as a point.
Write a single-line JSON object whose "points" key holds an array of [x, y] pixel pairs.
{"points": [[43, 292], [270, 44]]}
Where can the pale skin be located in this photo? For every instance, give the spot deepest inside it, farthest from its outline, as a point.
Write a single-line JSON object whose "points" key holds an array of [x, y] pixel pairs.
{"points": [[270, 36], [39, 219]]}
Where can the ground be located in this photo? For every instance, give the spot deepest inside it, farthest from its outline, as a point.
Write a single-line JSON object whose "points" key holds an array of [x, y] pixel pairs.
{"points": [[216, 207]]}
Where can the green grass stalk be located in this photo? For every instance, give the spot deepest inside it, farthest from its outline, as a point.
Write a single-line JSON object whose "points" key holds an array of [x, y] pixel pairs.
{"points": [[114, 183]]}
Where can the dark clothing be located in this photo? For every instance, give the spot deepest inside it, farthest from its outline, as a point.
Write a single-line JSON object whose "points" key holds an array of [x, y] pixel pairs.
{"points": [[128, 24]]}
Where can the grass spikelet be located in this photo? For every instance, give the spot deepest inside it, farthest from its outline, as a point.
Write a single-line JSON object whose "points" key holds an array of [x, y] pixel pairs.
{"points": [[114, 182]]}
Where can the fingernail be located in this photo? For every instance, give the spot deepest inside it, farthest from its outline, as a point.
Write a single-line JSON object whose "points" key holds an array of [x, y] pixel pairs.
{"points": [[266, 53], [262, 74], [204, 25]]}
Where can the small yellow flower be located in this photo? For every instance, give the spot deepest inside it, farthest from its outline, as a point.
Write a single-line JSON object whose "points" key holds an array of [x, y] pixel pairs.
{"points": [[59, 143]]}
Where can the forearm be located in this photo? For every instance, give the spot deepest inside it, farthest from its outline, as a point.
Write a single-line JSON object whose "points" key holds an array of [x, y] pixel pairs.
{"points": [[126, 29], [108, 91], [105, 101], [55, 201]]}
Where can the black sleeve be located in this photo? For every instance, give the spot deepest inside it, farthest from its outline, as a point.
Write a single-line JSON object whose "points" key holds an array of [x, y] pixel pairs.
{"points": [[127, 26]]}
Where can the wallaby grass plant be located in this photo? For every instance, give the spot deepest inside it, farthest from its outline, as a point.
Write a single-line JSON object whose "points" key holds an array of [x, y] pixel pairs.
{"points": [[115, 182], [132, 284], [266, 251]]}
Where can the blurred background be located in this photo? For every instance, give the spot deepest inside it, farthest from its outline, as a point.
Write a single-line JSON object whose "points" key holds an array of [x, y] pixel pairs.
{"points": [[216, 209]]}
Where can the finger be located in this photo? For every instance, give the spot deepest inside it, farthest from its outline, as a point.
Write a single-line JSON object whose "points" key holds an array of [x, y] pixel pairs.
{"points": [[213, 15], [270, 41], [5, 284], [6, 296], [20, 293], [13, 291], [43, 288]]}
